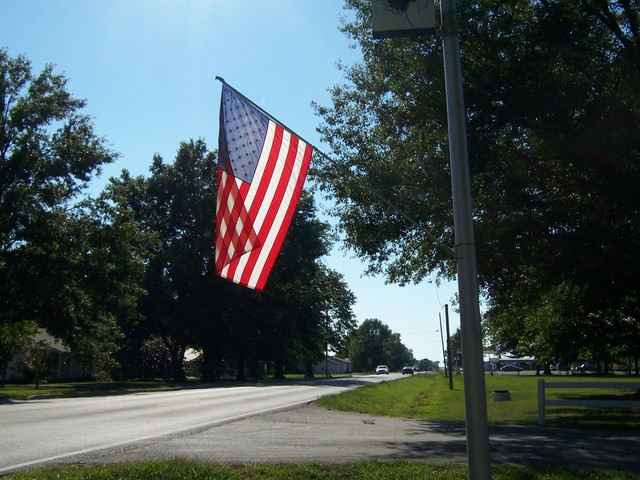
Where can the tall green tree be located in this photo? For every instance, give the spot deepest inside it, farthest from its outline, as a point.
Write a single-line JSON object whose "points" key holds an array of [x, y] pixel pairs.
{"points": [[553, 109], [293, 297], [97, 257], [338, 320], [48, 153], [38, 361], [113, 265], [188, 306], [374, 343], [13, 338], [176, 205]]}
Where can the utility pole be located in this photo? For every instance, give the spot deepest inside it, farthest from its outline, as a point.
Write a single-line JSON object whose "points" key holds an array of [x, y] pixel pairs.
{"points": [[411, 19], [444, 351], [449, 355], [465, 252]]}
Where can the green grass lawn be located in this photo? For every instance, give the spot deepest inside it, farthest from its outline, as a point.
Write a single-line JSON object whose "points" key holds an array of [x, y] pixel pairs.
{"points": [[429, 397], [365, 470], [25, 392], [72, 389]]}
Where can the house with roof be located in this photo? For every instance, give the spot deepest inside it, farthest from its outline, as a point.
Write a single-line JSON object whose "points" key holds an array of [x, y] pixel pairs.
{"points": [[333, 366], [65, 365]]}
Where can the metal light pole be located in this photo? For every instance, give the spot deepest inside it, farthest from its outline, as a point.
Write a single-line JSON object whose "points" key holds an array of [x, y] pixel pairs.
{"points": [[412, 18], [449, 351], [472, 360], [444, 350]]}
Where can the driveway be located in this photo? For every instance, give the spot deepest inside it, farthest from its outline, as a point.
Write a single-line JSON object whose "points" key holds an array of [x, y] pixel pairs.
{"points": [[310, 433]]}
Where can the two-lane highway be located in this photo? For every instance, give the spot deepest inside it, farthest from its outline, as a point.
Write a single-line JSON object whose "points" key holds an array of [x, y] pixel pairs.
{"points": [[48, 430]]}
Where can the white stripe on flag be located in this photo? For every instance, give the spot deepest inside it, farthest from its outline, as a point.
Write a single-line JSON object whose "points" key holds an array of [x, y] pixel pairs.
{"points": [[241, 263], [282, 208], [257, 183]]}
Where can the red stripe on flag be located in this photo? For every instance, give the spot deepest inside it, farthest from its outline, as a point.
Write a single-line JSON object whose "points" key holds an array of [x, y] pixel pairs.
{"points": [[271, 200], [289, 208], [236, 235]]}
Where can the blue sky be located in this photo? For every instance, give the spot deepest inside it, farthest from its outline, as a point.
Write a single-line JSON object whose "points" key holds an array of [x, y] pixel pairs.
{"points": [[147, 69]]}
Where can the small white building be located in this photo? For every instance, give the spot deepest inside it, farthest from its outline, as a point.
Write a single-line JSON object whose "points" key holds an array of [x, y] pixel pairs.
{"points": [[65, 365], [333, 366]]}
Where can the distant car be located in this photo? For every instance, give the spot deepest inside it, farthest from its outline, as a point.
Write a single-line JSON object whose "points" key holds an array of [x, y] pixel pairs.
{"points": [[382, 369], [559, 366], [587, 367], [511, 368], [407, 370]]}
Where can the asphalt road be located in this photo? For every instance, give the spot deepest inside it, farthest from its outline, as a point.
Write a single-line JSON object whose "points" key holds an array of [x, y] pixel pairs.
{"points": [[50, 430], [306, 432]]}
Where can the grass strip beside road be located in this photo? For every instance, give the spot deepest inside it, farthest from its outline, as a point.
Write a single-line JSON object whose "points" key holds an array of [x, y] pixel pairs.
{"points": [[428, 396], [87, 389], [73, 389], [369, 469]]}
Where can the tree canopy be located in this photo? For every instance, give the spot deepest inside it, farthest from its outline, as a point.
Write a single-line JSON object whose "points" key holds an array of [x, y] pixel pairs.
{"points": [[374, 343], [48, 153], [553, 122]]}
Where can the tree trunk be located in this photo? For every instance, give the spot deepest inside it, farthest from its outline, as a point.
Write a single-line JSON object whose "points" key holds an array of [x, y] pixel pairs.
{"points": [[254, 370], [240, 375], [308, 368], [209, 371], [278, 370], [177, 363]]}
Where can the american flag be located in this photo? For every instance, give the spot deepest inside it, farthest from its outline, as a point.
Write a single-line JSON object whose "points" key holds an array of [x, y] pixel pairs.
{"points": [[261, 171]]}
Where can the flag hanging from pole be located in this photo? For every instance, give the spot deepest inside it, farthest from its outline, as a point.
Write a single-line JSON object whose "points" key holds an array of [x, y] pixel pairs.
{"points": [[261, 170]]}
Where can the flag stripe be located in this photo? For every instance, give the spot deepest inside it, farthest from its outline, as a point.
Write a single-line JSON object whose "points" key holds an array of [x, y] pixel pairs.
{"points": [[241, 221], [293, 189], [252, 201], [271, 216], [234, 237], [280, 187], [268, 172]]}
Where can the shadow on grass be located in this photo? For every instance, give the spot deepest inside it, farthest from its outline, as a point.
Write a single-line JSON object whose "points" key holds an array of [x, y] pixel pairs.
{"points": [[523, 445], [625, 419]]}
